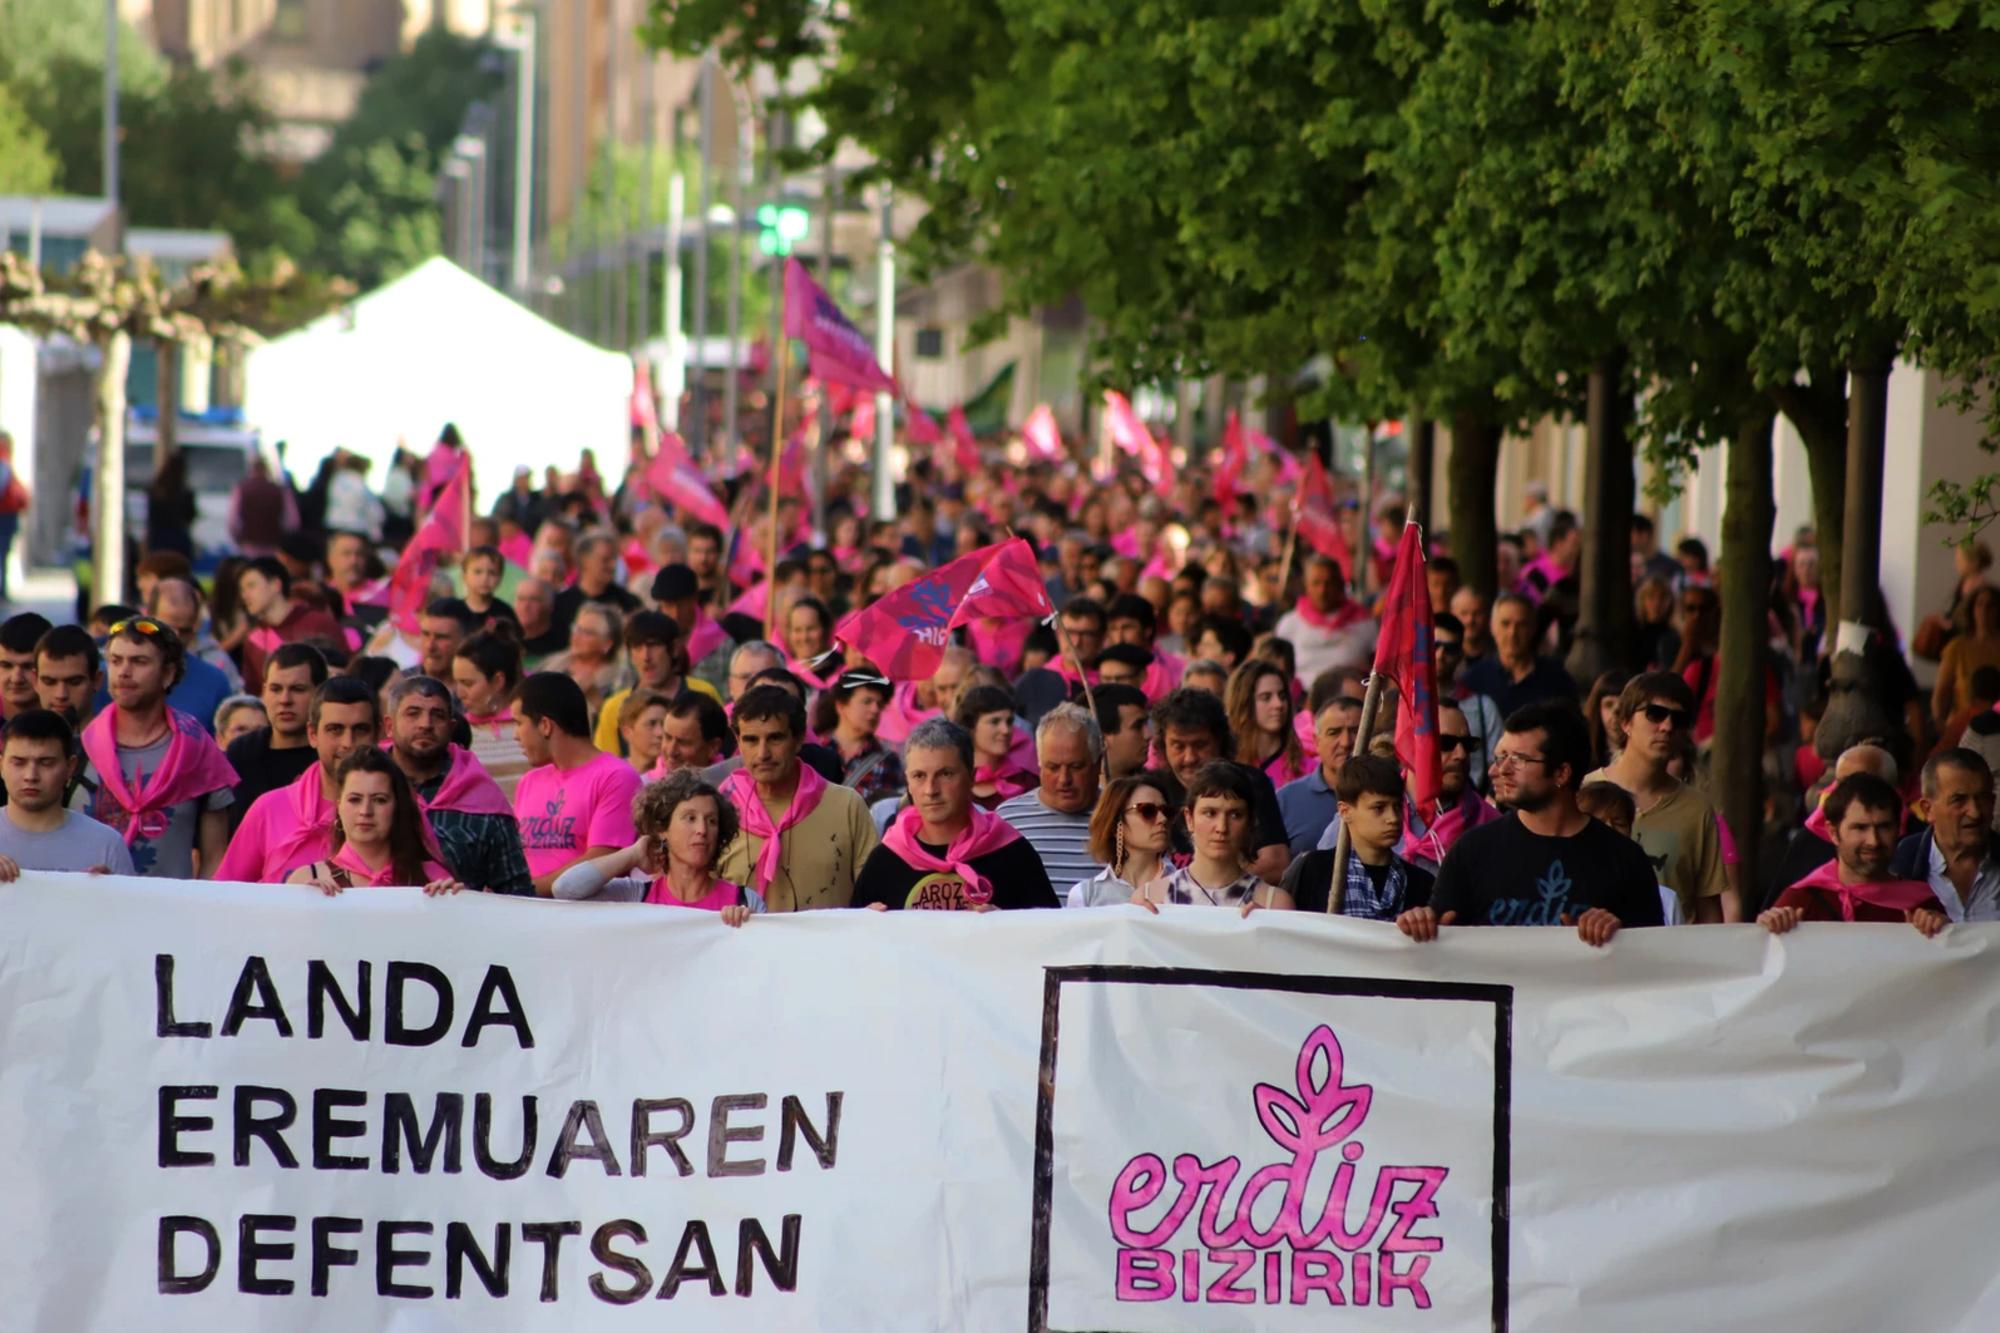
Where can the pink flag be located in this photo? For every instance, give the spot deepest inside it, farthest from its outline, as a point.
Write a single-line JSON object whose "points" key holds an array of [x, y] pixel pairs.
{"points": [[862, 424], [1235, 458], [905, 633], [1403, 653], [920, 427], [754, 602], [839, 352], [441, 536], [1130, 434], [746, 562], [1044, 441], [965, 449], [674, 478], [1009, 587]]}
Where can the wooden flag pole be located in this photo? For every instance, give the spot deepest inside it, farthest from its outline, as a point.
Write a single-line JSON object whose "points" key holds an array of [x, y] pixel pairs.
{"points": [[1371, 702], [777, 453], [1291, 548]]}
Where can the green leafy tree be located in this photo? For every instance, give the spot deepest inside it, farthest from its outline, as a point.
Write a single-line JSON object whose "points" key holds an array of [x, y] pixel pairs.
{"points": [[26, 164], [372, 195]]}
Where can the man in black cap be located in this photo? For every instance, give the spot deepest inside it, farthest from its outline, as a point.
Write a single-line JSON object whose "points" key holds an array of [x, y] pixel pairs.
{"points": [[678, 593]]}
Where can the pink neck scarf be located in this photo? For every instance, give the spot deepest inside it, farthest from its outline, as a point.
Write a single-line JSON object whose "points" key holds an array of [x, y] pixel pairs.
{"points": [[741, 790], [501, 724], [193, 767], [364, 878], [901, 716], [1894, 895], [1470, 812], [1347, 613], [1005, 777], [987, 833], [468, 789]]}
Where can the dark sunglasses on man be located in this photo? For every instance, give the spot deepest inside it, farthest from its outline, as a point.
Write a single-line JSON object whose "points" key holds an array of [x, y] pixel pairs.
{"points": [[1447, 744], [1661, 714]]}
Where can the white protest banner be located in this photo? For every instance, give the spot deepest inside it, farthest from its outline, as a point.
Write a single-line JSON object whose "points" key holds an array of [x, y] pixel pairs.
{"points": [[255, 1108]]}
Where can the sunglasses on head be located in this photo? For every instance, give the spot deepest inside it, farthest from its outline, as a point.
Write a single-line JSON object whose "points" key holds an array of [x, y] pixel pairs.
{"points": [[1447, 744], [1147, 810], [138, 625], [1661, 714]]}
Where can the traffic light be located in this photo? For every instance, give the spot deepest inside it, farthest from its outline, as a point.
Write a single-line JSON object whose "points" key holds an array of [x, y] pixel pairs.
{"points": [[781, 227]]}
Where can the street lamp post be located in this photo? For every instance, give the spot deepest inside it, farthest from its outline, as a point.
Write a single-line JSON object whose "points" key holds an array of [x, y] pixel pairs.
{"points": [[519, 268], [697, 431], [883, 501]]}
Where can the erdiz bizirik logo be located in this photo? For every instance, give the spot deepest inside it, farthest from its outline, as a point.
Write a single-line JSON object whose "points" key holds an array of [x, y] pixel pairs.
{"points": [[1355, 1235]]}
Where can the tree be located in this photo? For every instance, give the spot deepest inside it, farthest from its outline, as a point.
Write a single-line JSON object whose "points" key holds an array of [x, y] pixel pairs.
{"points": [[372, 195], [26, 164]]}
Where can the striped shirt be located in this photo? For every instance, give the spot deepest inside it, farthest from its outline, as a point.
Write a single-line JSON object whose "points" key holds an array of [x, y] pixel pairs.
{"points": [[1062, 841]]}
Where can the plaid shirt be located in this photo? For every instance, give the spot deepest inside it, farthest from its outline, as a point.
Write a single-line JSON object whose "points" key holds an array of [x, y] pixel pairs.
{"points": [[1364, 900]]}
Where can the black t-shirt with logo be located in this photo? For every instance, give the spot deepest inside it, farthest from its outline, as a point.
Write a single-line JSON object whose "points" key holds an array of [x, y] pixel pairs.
{"points": [[1014, 871], [1500, 874]]}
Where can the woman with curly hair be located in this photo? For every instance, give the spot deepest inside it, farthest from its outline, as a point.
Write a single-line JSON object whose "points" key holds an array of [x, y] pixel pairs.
{"points": [[683, 826]]}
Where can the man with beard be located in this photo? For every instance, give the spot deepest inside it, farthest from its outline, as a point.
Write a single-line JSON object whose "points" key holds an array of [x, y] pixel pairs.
{"points": [[1864, 813], [158, 777], [804, 838], [474, 822], [267, 760], [1956, 856], [1545, 863], [293, 826]]}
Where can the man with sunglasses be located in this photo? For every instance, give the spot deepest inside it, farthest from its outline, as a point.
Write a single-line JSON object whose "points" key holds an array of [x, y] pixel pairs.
{"points": [[1545, 863], [1675, 824], [1482, 715], [1429, 834]]}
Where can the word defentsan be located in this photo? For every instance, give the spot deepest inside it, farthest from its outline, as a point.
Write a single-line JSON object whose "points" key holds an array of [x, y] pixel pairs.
{"points": [[276, 1131]]}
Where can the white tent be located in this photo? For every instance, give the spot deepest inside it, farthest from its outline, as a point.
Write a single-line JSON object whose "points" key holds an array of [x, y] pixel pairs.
{"points": [[439, 345]]}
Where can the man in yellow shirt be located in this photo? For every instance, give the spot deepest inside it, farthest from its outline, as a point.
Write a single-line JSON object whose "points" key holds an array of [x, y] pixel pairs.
{"points": [[653, 642]]}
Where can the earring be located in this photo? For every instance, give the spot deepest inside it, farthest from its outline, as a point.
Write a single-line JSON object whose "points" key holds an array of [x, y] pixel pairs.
{"points": [[1118, 865]]}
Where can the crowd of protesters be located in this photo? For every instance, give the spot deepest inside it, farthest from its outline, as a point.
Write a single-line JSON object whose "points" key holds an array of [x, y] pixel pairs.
{"points": [[603, 699]]}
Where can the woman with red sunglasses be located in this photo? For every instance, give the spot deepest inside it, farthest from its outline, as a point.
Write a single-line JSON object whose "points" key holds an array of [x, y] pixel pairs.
{"points": [[1130, 835]]}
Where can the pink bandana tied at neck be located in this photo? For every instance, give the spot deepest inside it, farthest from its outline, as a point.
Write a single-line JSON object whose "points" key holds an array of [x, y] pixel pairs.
{"points": [[192, 768], [985, 834], [741, 789]]}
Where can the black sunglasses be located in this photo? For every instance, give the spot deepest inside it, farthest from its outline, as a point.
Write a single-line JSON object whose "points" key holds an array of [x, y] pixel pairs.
{"points": [[1660, 714], [1447, 744]]}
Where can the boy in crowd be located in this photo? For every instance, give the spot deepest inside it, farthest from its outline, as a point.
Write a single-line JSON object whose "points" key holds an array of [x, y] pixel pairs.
{"points": [[1381, 885], [576, 804], [483, 570], [36, 832]]}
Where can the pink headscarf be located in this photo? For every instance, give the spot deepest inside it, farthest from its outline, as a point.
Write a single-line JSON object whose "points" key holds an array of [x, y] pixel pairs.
{"points": [[986, 833], [740, 789]]}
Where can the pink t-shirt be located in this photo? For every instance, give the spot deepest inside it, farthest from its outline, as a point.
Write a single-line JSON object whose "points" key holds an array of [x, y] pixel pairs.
{"points": [[563, 811]]}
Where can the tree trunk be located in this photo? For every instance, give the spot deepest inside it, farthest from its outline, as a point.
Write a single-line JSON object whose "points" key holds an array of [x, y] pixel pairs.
{"points": [[1738, 767], [1861, 531], [1418, 468], [1604, 627], [108, 485], [167, 389], [1819, 412], [1475, 472]]}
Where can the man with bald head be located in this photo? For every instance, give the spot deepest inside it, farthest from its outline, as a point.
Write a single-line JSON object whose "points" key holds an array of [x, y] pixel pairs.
{"points": [[1325, 628], [1813, 846]]}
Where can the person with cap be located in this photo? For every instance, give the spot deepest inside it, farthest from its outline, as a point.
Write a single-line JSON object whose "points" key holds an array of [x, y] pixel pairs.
{"points": [[678, 593], [849, 713]]}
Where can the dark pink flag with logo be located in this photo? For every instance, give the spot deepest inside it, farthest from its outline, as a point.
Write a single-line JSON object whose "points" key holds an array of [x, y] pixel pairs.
{"points": [[1130, 434], [1403, 653], [442, 536], [1009, 587], [1318, 519], [905, 633], [839, 353]]}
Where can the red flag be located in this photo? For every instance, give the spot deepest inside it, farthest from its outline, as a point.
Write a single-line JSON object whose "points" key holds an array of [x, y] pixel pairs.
{"points": [[965, 449], [1044, 441], [442, 535], [674, 478], [838, 352], [862, 424], [1403, 653], [905, 633], [1010, 587], [919, 426], [1318, 520]]}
